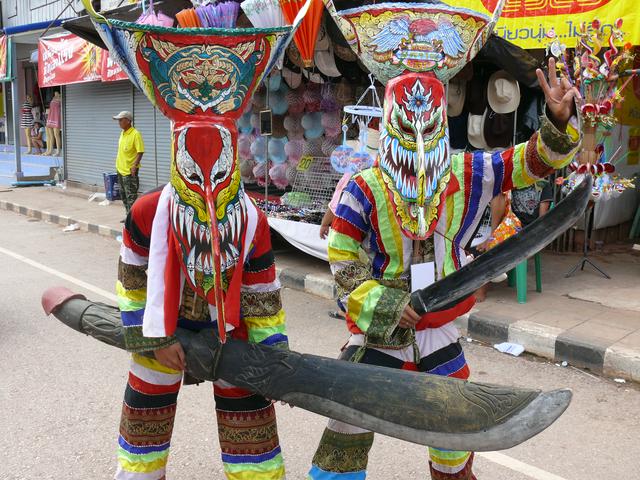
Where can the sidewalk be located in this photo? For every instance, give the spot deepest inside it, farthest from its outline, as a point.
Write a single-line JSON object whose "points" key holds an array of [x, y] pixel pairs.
{"points": [[586, 320], [32, 165]]}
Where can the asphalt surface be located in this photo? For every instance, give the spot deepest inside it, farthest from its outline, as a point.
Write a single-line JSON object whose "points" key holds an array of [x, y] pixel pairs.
{"points": [[61, 392]]}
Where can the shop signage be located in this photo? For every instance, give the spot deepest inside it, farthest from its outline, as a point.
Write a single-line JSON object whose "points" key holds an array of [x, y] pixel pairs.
{"points": [[110, 70], [526, 23], [5, 62], [67, 59], [305, 163]]}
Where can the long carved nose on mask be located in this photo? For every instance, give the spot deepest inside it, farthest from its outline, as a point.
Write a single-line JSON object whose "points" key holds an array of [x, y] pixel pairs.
{"points": [[421, 174]]}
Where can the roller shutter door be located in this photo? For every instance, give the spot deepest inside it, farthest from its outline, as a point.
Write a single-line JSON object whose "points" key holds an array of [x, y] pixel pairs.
{"points": [[163, 146], [90, 134], [156, 133]]}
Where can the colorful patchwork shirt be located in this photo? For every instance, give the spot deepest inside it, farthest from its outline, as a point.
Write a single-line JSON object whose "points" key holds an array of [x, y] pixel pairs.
{"points": [[262, 317], [376, 292]]}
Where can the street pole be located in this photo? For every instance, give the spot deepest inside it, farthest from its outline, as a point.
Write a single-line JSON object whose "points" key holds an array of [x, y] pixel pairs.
{"points": [[15, 100]]}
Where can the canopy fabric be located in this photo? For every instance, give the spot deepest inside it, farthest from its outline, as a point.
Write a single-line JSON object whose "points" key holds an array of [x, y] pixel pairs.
{"points": [[83, 27], [303, 236]]}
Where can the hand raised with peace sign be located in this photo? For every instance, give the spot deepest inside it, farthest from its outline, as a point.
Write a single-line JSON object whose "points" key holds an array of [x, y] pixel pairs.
{"points": [[559, 95]]}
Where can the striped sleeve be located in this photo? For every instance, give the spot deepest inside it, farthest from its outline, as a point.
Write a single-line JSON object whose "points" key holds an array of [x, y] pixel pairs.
{"points": [[131, 287], [483, 175], [547, 150], [374, 308], [260, 301]]}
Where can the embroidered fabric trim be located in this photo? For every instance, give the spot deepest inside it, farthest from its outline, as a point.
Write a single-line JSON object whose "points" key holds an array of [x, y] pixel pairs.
{"points": [[535, 166], [138, 343], [556, 140], [133, 277], [350, 277], [342, 453], [260, 304], [383, 331], [193, 307]]}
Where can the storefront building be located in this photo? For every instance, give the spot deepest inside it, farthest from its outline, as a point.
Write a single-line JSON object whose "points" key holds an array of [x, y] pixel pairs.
{"points": [[89, 134]]}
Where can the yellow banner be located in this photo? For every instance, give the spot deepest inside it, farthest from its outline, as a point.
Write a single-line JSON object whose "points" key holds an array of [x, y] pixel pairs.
{"points": [[526, 22]]}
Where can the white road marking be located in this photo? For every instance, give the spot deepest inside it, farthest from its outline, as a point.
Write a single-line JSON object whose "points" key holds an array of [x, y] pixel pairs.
{"points": [[63, 276], [494, 457], [518, 466]]}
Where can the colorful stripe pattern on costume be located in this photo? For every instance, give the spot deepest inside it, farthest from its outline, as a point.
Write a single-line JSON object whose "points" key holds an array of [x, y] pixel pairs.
{"points": [[131, 287], [343, 452], [246, 422], [364, 218], [147, 419], [260, 304], [248, 435]]}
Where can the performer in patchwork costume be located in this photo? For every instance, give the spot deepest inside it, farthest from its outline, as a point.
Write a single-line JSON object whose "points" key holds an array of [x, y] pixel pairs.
{"points": [[197, 254], [166, 250], [420, 204]]}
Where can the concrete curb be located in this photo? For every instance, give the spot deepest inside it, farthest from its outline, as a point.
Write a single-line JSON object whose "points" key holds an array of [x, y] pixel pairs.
{"points": [[318, 285], [63, 220], [556, 344]]}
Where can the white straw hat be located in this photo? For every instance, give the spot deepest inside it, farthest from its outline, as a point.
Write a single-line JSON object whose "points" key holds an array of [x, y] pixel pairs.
{"points": [[323, 56], [456, 94], [475, 131], [503, 92]]}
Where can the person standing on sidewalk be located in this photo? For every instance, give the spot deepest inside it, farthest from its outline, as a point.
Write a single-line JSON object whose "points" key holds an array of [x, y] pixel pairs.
{"points": [[130, 151]]}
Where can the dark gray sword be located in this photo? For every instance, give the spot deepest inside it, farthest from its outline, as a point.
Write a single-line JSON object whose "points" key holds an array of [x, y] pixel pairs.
{"points": [[417, 407], [505, 256]]}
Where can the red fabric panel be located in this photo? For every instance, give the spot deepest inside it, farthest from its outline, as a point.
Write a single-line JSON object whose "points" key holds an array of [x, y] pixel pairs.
{"points": [[438, 319]]}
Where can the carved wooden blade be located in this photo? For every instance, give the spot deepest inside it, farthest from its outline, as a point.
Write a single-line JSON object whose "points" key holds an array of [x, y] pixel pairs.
{"points": [[505, 256], [417, 407]]}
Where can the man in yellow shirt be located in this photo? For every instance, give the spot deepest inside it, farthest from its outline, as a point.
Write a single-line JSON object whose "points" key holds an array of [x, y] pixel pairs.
{"points": [[130, 151]]}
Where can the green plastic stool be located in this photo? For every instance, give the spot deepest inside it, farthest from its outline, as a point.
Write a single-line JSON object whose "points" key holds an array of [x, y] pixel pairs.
{"points": [[518, 278]]}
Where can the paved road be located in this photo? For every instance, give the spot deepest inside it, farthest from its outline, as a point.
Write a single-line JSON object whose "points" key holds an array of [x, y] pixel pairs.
{"points": [[61, 392]]}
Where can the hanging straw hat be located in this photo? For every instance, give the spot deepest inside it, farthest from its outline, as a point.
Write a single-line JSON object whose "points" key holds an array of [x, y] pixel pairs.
{"points": [[498, 129], [475, 131], [323, 55], [503, 92], [456, 94]]}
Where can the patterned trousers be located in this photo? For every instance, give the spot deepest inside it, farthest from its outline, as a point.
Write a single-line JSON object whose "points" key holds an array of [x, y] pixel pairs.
{"points": [[247, 427], [343, 452], [129, 185]]}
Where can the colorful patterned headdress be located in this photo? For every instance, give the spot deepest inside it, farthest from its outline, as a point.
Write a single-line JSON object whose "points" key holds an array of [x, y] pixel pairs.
{"points": [[202, 79], [392, 39]]}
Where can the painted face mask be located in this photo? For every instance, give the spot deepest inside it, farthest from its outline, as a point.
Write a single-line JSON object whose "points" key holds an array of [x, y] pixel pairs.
{"points": [[204, 169], [201, 79], [414, 150]]}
